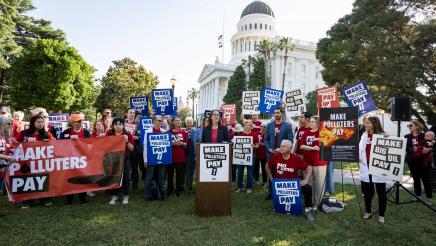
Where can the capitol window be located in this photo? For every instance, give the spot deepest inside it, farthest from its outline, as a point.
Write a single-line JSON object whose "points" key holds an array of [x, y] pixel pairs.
{"points": [[303, 70], [260, 27], [245, 27], [249, 45], [255, 25], [250, 26]]}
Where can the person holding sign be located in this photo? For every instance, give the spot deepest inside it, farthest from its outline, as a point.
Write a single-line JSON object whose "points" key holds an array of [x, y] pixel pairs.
{"points": [[190, 152], [76, 131], [309, 147], [260, 160], [5, 148], [215, 132], [116, 130], [36, 132], [286, 166], [153, 171], [372, 126], [179, 159], [304, 120], [248, 127]]}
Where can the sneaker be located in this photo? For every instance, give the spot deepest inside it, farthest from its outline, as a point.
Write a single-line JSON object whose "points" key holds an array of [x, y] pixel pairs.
{"points": [[90, 194], [309, 216], [113, 200], [48, 204], [125, 199], [249, 191], [381, 220], [238, 190], [414, 199], [429, 203], [25, 206], [314, 208]]}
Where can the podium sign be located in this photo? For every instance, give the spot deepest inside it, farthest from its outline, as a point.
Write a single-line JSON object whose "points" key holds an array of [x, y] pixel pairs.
{"points": [[213, 176]]}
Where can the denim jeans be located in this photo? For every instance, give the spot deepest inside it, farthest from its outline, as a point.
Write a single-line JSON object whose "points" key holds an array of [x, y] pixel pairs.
{"points": [[330, 181], [241, 168], [149, 182]]}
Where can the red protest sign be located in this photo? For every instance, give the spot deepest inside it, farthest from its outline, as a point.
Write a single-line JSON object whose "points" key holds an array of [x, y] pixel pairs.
{"points": [[327, 97], [229, 113], [55, 168]]}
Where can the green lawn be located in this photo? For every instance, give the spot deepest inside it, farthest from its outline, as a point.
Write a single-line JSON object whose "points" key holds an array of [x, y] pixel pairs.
{"points": [[173, 222], [355, 166]]}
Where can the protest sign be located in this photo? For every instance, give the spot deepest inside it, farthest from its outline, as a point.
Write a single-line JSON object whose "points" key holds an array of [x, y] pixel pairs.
{"points": [[145, 124], [295, 103], [159, 148], [242, 150], [57, 168], [139, 103], [358, 95], [287, 196], [270, 99], [339, 134], [228, 113], [86, 125], [130, 128], [250, 102], [327, 97], [59, 122], [207, 113], [214, 162], [162, 101], [387, 157]]}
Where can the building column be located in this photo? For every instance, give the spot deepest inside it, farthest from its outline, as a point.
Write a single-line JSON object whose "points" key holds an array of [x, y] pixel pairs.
{"points": [[217, 96]]}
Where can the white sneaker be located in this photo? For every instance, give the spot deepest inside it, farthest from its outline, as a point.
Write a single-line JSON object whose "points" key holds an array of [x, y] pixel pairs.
{"points": [[125, 199], [113, 200], [249, 191], [90, 194]]}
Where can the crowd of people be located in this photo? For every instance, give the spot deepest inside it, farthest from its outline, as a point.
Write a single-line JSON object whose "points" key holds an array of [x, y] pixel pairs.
{"points": [[281, 150]]}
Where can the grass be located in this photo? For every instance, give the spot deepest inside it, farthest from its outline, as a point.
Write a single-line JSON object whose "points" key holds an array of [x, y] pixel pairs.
{"points": [[355, 167], [173, 222]]}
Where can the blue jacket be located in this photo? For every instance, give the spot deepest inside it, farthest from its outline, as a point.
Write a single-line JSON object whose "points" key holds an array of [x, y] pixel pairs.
{"points": [[285, 133], [196, 137]]}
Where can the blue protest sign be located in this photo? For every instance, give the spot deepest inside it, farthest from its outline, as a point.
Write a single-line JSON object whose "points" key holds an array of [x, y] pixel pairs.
{"points": [[159, 148], [139, 103], [175, 104], [144, 125], [162, 101], [359, 95], [270, 99], [287, 196]]}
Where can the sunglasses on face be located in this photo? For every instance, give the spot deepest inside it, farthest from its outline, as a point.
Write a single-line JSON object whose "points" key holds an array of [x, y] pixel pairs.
{"points": [[410, 125]]}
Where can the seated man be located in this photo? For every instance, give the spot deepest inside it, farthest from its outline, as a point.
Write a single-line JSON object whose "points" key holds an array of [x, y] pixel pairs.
{"points": [[286, 166]]}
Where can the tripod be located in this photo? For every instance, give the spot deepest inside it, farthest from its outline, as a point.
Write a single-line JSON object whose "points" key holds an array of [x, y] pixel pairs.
{"points": [[397, 185]]}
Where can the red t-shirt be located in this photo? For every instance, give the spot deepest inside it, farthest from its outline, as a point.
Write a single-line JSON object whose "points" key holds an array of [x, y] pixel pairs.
{"points": [[256, 127], [5, 149], [368, 147], [261, 152], [286, 169], [415, 140], [75, 135], [129, 136], [16, 130], [33, 137], [156, 130], [276, 135], [301, 130], [179, 151], [311, 139], [214, 135]]}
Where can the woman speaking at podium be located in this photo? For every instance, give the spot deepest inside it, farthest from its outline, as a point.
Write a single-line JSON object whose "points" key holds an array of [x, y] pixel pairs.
{"points": [[215, 132]]}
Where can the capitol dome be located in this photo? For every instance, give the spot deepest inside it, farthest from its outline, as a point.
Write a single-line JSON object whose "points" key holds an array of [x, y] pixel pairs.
{"points": [[257, 7]]}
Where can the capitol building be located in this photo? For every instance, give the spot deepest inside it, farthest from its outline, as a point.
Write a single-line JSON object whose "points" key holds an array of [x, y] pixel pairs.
{"points": [[257, 23]]}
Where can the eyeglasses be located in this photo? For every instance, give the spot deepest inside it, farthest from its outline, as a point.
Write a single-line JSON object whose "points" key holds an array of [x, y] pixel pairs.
{"points": [[410, 125], [216, 114]]}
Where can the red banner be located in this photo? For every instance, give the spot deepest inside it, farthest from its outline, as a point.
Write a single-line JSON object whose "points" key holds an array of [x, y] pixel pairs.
{"points": [[55, 168], [229, 113], [327, 97]]}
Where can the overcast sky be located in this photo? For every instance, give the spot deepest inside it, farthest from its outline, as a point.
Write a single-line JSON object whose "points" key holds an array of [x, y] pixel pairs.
{"points": [[174, 37]]}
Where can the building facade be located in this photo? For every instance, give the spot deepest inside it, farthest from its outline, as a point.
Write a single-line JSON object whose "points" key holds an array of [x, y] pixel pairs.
{"points": [[257, 23]]}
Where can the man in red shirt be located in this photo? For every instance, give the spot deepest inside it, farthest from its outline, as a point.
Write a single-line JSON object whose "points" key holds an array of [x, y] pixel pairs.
{"points": [[286, 166], [304, 120]]}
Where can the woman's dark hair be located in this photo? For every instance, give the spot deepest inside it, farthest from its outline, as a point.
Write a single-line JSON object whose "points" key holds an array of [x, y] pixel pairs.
{"points": [[376, 125], [220, 124], [115, 121], [42, 132], [204, 121], [172, 121]]}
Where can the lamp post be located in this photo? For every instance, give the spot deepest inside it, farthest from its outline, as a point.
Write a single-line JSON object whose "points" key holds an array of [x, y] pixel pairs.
{"points": [[173, 82]]}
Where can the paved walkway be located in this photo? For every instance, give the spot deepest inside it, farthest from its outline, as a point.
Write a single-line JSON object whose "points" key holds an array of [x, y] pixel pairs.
{"points": [[348, 179]]}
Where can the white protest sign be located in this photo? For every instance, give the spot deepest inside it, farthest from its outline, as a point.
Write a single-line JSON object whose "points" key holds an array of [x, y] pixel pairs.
{"points": [[250, 102], [214, 163], [295, 103], [242, 150], [387, 157]]}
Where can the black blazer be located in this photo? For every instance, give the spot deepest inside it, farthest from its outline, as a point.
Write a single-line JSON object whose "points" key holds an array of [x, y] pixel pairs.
{"points": [[223, 135]]}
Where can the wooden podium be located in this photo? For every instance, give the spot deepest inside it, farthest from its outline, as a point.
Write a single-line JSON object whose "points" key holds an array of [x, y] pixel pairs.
{"points": [[213, 197]]}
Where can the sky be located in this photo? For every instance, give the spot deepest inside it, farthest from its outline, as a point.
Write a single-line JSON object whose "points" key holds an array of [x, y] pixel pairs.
{"points": [[175, 37]]}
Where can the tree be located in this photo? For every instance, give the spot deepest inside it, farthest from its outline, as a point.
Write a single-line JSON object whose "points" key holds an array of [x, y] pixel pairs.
{"points": [[19, 32], [183, 113], [383, 43], [311, 102], [193, 94], [285, 44], [123, 80], [53, 75], [257, 77], [265, 48], [248, 63], [235, 88]]}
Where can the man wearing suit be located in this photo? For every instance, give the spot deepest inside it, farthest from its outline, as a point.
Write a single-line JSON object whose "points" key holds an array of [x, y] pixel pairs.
{"points": [[275, 132]]}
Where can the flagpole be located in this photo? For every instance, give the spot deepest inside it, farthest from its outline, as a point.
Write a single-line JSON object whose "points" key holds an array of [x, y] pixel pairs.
{"points": [[222, 55]]}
